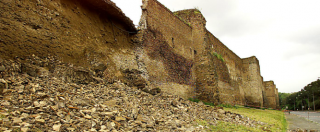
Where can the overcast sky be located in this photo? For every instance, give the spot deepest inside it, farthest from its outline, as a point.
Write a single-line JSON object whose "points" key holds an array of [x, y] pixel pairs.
{"points": [[283, 34]]}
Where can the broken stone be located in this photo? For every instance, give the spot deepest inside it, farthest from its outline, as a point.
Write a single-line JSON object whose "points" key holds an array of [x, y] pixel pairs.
{"points": [[40, 121], [3, 85], [24, 124], [16, 120], [20, 88], [5, 103], [24, 129], [71, 129], [56, 127], [56, 103], [221, 111], [174, 103], [119, 118], [36, 104], [2, 68], [107, 114], [111, 103], [88, 117]]}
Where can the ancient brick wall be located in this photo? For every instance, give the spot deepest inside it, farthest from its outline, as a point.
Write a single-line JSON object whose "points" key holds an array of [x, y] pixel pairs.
{"points": [[168, 56], [277, 99], [85, 33], [252, 82], [224, 75], [205, 73], [175, 32], [173, 51], [264, 94], [270, 90], [234, 65]]}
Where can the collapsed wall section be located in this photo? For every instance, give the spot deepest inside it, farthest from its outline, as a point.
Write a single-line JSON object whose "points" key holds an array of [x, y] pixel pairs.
{"points": [[76, 31], [167, 49], [252, 82]]}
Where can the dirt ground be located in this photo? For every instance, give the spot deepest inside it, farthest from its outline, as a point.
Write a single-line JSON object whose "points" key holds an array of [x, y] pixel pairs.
{"points": [[295, 122]]}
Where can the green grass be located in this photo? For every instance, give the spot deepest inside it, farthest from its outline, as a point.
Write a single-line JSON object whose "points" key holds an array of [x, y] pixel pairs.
{"points": [[221, 126], [227, 106], [275, 119]]}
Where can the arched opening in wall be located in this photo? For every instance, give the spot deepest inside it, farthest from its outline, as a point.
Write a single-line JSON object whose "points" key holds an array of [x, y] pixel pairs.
{"points": [[173, 42], [195, 52]]}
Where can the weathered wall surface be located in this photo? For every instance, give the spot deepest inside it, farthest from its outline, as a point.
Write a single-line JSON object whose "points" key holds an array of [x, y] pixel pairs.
{"points": [[172, 51], [204, 63], [218, 80], [231, 85], [222, 76], [270, 90], [80, 32], [277, 99], [252, 82], [166, 50]]}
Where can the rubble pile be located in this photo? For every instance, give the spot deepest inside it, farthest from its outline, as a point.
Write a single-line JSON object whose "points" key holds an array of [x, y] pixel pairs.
{"points": [[43, 94]]}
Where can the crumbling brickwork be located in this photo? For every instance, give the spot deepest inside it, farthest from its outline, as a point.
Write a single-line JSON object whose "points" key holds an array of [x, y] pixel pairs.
{"points": [[89, 33]]}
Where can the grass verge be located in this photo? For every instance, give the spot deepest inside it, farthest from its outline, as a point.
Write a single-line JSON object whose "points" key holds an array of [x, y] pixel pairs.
{"points": [[276, 121], [273, 121], [221, 126]]}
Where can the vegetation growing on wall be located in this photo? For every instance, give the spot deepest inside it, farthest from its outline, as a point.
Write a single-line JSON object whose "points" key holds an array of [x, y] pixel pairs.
{"points": [[176, 14], [218, 56]]}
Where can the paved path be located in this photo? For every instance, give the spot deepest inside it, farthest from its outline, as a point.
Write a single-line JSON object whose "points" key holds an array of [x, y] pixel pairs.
{"points": [[313, 116], [297, 120]]}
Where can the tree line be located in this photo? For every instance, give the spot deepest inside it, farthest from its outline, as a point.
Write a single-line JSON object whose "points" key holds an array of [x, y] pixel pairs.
{"points": [[307, 97]]}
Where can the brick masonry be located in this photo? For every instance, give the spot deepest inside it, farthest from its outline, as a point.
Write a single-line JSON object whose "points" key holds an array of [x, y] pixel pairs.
{"points": [[228, 79], [173, 50], [271, 95]]}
